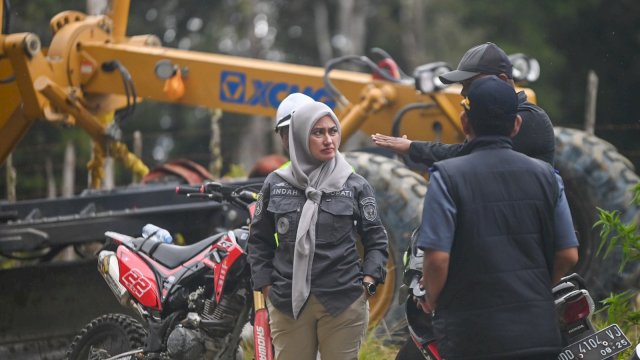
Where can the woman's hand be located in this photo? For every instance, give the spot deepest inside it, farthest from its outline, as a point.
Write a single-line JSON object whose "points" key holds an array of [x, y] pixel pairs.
{"points": [[367, 279]]}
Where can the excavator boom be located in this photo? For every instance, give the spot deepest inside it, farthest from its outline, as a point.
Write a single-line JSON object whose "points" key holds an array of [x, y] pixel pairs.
{"points": [[91, 69]]}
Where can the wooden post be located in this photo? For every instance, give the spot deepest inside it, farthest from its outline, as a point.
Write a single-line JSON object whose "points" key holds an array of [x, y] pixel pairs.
{"points": [[215, 166], [137, 150], [68, 186], [11, 177], [109, 174], [69, 171], [51, 180], [590, 103]]}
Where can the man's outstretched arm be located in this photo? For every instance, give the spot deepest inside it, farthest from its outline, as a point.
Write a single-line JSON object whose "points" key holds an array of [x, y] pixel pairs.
{"points": [[423, 152]]}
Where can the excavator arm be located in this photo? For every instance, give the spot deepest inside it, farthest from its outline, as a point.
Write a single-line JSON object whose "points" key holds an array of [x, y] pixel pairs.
{"points": [[92, 69]]}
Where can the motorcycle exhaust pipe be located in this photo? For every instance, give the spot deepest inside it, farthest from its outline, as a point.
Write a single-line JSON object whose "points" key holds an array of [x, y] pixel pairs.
{"points": [[263, 348], [110, 271], [636, 353]]}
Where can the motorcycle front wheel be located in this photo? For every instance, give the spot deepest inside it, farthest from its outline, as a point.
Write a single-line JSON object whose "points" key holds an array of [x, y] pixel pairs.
{"points": [[105, 336]]}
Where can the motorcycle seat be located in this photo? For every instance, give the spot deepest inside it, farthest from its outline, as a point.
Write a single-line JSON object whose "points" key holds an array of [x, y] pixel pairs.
{"points": [[173, 256]]}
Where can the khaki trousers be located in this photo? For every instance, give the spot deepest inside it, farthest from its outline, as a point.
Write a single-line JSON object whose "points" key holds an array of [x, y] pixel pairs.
{"points": [[336, 338]]}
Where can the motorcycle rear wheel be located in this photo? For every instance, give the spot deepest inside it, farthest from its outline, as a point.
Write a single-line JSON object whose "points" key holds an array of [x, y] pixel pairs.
{"points": [[108, 334]]}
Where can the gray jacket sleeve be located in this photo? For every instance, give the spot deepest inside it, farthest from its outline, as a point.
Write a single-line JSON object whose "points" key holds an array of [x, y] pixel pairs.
{"points": [[262, 244], [429, 152], [372, 234]]}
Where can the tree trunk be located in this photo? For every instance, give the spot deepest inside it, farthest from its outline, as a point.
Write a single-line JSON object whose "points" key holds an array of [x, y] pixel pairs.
{"points": [[412, 19], [323, 35], [353, 26]]}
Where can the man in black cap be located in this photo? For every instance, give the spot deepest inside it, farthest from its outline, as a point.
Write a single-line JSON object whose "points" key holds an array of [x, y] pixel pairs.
{"points": [[535, 139], [496, 233]]}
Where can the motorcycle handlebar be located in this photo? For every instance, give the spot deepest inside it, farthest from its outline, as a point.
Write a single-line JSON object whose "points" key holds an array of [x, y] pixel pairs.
{"points": [[575, 278], [218, 192], [188, 189]]}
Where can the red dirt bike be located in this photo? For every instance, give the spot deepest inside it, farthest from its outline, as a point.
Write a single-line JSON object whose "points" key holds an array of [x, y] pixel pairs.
{"points": [[573, 303], [194, 300]]}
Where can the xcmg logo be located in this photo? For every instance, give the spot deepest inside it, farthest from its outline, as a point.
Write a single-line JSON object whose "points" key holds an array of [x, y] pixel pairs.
{"points": [[237, 89]]}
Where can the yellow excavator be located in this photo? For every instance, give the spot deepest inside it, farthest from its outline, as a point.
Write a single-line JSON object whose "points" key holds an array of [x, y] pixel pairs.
{"points": [[93, 68]]}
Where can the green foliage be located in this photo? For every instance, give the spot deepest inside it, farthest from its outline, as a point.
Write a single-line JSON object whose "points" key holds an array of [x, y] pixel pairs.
{"points": [[569, 38], [621, 308], [614, 232], [620, 311], [374, 349]]}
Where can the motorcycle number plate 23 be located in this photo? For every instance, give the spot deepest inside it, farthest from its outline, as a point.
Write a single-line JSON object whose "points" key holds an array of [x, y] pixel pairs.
{"points": [[601, 345]]}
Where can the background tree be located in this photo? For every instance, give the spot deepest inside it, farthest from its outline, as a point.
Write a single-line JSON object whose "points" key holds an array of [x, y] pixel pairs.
{"points": [[569, 38]]}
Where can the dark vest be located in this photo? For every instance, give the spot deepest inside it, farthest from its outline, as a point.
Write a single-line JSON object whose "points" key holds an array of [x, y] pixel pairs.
{"points": [[497, 300]]}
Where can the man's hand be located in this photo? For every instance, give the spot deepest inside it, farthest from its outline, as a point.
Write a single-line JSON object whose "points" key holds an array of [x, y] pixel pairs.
{"points": [[397, 144], [564, 261], [422, 303], [435, 270]]}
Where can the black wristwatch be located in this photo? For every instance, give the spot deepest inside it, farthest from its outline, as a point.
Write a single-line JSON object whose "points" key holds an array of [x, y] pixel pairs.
{"points": [[370, 287]]}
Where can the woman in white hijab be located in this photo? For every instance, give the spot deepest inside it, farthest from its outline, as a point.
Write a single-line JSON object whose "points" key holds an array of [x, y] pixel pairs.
{"points": [[302, 247]]}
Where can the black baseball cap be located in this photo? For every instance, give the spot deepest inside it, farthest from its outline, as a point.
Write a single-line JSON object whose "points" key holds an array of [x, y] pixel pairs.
{"points": [[492, 104], [487, 59]]}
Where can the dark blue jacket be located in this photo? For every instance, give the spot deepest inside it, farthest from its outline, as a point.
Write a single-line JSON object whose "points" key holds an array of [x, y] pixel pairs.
{"points": [[497, 300]]}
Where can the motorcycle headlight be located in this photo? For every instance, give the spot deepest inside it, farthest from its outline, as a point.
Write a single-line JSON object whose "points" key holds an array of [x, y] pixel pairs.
{"points": [[525, 68], [426, 76]]}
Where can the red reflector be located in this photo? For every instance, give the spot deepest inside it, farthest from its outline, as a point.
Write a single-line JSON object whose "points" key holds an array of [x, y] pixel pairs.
{"points": [[576, 310]]}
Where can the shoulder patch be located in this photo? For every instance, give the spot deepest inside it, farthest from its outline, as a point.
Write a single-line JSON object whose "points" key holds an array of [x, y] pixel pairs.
{"points": [[369, 208]]}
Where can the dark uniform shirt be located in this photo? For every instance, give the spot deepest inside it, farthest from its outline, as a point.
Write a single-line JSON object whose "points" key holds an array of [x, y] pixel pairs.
{"points": [[337, 269], [535, 139]]}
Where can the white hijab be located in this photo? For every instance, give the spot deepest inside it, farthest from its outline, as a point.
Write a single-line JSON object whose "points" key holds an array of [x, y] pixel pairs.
{"points": [[314, 177]]}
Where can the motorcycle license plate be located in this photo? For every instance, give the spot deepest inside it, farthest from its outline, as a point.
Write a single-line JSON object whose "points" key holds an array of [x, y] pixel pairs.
{"points": [[601, 345]]}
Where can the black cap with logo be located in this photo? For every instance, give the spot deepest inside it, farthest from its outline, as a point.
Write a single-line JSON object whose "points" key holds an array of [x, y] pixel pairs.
{"points": [[487, 59]]}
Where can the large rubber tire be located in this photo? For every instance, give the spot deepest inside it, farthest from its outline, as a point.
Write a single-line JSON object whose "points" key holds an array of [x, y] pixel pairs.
{"points": [[114, 333], [595, 175], [399, 194]]}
